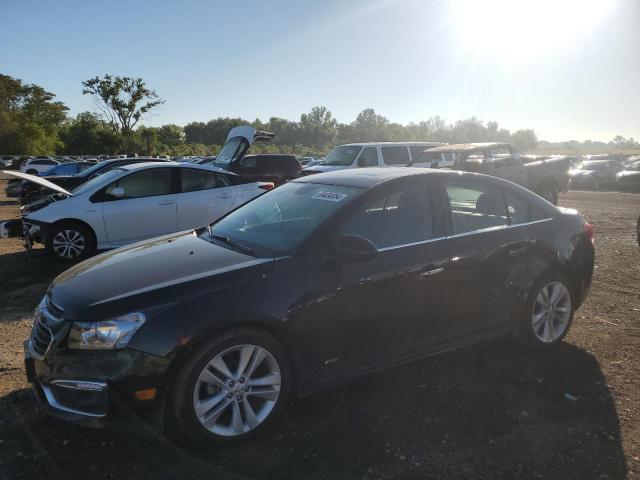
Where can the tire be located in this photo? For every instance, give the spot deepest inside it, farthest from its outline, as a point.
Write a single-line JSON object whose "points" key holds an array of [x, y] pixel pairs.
{"points": [[223, 397], [32, 171], [540, 328], [70, 242], [549, 192]]}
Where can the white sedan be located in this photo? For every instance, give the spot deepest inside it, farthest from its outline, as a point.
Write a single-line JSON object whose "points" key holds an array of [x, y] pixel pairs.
{"points": [[132, 203]]}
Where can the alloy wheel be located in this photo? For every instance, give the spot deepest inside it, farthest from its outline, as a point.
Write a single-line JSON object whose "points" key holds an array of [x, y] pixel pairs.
{"points": [[237, 390], [551, 312], [69, 244]]}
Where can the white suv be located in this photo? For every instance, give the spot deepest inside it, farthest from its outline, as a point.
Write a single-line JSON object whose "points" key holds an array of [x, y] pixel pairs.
{"points": [[38, 165], [383, 154]]}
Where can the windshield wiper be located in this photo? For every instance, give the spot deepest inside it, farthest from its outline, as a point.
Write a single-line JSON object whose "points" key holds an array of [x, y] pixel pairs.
{"points": [[232, 244]]}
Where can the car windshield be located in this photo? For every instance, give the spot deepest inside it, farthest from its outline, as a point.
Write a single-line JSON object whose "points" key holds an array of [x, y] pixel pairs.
{"points": [[277, 222], [91, 170], [343, 155], [105, 177]]}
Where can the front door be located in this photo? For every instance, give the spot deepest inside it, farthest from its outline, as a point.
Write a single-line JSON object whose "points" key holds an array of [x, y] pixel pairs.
{"points": [[146, 208], [378, 310]]}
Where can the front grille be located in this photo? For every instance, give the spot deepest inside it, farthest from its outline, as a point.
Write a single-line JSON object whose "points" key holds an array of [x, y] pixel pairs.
{"points": [[47, 322], [41, 337]]}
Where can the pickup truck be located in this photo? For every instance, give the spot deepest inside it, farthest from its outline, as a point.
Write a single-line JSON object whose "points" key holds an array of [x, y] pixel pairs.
{"points": [[545, 177]]}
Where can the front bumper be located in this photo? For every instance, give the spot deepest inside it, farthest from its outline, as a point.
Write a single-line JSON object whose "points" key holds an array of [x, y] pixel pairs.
{"points": [[97, 389]]}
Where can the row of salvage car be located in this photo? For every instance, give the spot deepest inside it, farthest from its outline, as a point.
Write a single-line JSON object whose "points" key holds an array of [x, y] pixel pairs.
{"points": [[122, 201]]}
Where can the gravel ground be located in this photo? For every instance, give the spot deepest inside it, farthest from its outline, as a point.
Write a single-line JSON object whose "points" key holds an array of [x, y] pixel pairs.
{"points": [[492, 411]]}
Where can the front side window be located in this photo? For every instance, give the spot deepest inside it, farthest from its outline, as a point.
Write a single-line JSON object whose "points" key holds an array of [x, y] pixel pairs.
{"points": [[395, 155], [395, 218], [192, 180], [148, 183], [475, 207], [368, 157], [278, 221]]}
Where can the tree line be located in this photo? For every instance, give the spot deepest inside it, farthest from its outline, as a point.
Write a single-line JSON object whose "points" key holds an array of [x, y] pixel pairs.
{"points": [[33, 122]]}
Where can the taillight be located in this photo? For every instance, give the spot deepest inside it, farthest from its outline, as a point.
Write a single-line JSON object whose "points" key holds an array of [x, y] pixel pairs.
{"points": [[267, 186], [588, 229]]}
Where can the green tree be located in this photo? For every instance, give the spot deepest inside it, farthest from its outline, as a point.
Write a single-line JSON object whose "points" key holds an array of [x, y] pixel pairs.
{"points": [[171, 135], [524, 140], [318, 128], [122, 101], [30, 118], [149, 137]]}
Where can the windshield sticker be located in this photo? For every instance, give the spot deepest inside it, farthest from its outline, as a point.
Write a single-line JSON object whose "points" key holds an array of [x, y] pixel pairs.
{"points": [[330, 196]]}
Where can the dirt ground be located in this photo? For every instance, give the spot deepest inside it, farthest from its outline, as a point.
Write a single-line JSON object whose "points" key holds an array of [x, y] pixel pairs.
{"points": [[492, 411]]}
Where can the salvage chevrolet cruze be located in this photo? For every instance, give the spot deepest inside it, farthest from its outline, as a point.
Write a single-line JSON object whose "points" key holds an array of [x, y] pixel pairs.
{"points": [[327, 277]]}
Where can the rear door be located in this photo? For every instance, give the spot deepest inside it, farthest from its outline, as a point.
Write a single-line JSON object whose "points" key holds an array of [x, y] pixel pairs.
{"points": [[203, 197], [147, 209], [477, 235]]}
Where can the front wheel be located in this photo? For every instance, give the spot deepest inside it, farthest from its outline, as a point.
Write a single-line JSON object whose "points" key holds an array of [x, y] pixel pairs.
{"points": [[70, 242], [232, 387], [548, 312]]}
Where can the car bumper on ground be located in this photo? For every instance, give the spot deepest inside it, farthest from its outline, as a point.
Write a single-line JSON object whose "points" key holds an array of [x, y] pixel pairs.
{"points": [[98, 389]]}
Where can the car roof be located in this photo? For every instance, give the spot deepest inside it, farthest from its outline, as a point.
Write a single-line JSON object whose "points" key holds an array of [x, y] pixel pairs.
{"points": [[366, 177], [468, 147], [392, 144], [193, 166]]}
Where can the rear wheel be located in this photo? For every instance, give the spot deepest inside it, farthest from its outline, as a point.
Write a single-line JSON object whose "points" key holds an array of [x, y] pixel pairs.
{"points": [[32, 171], [232, 387], [70, 242], [548, 312]]}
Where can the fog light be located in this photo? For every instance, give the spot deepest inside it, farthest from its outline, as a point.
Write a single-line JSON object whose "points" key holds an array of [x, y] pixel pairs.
{"points": [[148, 394]]}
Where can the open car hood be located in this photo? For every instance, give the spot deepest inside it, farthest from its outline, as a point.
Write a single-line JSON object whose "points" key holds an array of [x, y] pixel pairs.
{"points": [[38, 180]]}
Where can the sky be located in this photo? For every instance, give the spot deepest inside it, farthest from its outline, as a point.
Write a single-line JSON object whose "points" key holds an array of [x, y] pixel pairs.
{"points": [[569, 69]]}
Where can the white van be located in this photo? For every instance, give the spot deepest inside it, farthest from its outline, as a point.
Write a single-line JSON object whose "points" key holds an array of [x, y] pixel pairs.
{"points": [[382, 154]]}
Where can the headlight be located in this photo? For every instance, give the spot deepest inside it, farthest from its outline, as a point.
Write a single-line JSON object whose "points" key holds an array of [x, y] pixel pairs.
{"points": [[115, 333]]}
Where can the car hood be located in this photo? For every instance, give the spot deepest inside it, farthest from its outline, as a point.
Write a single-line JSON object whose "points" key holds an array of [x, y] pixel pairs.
{"points": [[325, 168], [38, 180], [160, 271]]}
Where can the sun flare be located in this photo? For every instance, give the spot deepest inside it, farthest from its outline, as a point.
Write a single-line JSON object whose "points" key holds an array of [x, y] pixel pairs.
{"points": [[524, 29]]}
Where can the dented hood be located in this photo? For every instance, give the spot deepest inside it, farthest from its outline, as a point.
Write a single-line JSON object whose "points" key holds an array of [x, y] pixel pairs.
{"points": [[38, 180]]}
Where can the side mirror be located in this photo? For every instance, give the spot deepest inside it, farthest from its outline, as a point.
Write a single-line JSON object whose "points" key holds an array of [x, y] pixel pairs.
{"points": [[117, 192], [354, 247]]}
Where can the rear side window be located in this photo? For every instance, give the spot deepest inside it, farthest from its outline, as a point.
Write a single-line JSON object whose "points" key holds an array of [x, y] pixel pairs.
{"points": [[248, 163], [517, 208], [194, 180], [475, 207], [395, 155]]}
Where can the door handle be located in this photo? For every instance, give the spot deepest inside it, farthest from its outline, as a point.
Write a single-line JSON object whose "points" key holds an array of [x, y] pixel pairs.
{"points": [[167, 202], [431, 272], [517, 251]]}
